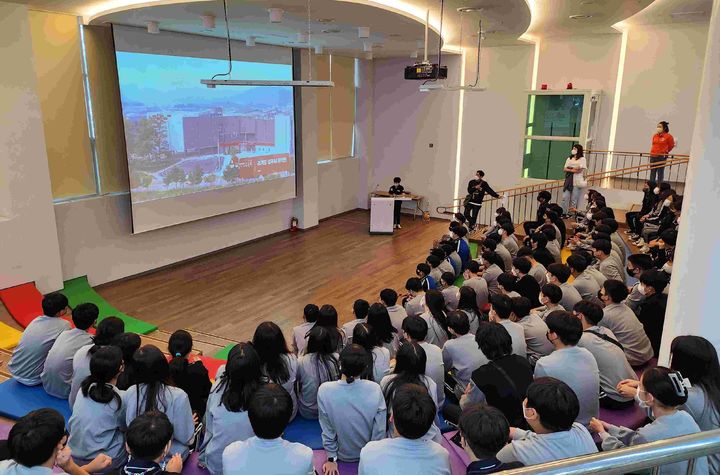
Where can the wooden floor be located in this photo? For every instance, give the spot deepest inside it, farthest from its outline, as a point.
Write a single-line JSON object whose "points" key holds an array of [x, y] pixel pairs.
{"points": [[230, 292]]}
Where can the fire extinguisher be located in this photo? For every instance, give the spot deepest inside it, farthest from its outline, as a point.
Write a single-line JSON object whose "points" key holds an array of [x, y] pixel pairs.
{"points": [[293, 224]]}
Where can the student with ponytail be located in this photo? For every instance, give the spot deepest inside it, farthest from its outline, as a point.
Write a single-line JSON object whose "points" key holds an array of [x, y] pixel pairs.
{"points": [[106, 331], [98, 417], [226, 418], [364, 335], [436, 318], [662, 391], [317, 366], [187, 372], [152, 392], [352, 411]]}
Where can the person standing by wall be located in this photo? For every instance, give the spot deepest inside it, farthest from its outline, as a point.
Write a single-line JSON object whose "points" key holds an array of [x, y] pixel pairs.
{"points": [[662, 144], [575, 183], [477, 187], [397, 190]]}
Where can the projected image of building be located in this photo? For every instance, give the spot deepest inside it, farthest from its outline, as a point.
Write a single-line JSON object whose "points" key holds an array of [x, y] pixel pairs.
{"points": [[228, 134]]}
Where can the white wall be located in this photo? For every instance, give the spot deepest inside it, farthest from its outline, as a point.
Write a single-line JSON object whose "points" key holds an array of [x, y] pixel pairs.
{"points": [[338, 186], [28, 241], [661, 81]]}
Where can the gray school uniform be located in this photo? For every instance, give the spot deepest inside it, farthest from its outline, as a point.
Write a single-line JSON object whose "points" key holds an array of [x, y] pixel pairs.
{"points": [[446, 266], [456, 260], [517, 333], [434, 432], [544, 311], [618, 241], [665, 427], [462, 356], [510, 243], [474, 320], [611, 269], [81, 370], [554, 248], [292, 364], [538, 272], [619, 319], [436, 273], [706, 417], [351, 415], [597, 275], [270, 456], [570, 296], [415, 306], [481, 288], [381, 363], [451, 297], [611, 361], [536, 337], [436, 334], [11, 467], [308, 382], [635, 299], [435, 369], [28, 358], [505, 255], [349, 327], [490, 276], [586, 285], [578, 369], [530, 448], [97, 428], [393, 345], [174, 403], [299, 338], [401, 456], [57, 372], [222, 427], [397, 315]]}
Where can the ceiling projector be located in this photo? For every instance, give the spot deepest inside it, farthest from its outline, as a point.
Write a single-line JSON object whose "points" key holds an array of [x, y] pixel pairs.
{"points": [[424, 71]]}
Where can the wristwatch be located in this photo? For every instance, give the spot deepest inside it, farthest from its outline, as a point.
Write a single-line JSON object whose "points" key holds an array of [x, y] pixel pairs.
{"points": [[332, 459]]}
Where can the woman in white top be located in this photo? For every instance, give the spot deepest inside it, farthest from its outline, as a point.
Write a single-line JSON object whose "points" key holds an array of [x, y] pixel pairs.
{"points": [[279, 365], [364, 335], [575, 182], [319, 365]]}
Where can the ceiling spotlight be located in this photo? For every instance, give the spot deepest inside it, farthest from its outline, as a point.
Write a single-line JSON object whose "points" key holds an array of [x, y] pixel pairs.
{"points": [[369, 55], [208, 22], [318, 49], [364, 32], [250, 41], [367, 47], [302, 37], [580, 17], [470, 9], [414, 55], [153, 27], [276, 15]]}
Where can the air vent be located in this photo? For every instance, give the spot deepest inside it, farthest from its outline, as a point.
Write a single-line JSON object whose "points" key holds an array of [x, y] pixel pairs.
{"points": [[332, 31], [580, 17]]}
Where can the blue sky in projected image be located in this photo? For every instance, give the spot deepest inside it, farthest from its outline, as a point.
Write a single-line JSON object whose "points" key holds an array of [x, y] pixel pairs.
{"points": [[161, 81]]}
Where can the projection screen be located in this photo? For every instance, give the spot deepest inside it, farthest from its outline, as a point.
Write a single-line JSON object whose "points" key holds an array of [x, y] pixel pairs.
{"points": [[195, 152]]}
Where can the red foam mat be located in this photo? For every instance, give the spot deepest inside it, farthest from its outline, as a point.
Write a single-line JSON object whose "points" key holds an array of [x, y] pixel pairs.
{"points": [[23, 302]]}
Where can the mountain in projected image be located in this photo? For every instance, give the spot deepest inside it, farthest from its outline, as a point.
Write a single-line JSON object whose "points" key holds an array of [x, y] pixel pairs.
{"points": [[183, 137]]}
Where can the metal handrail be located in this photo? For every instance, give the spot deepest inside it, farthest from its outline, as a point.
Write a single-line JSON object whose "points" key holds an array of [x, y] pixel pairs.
{"points": [[638, 457]]}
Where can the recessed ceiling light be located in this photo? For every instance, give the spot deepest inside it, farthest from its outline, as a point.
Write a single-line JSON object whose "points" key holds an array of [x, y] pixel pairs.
{"points": [[331, 30], [580, 17], [470, 9], [680, 14], [325, 20]]}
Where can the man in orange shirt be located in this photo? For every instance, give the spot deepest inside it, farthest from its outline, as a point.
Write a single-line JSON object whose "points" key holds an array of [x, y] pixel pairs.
{"points": [[662, 144]]}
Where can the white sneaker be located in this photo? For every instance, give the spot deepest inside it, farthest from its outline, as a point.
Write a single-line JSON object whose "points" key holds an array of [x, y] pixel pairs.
{"points": [[395, 226], [640, 242], [645, 250], [399, 227]]}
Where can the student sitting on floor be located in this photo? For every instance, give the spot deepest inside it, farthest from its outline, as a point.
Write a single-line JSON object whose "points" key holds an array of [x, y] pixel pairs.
{"points": [[28, 359], [534, 327], [128, 343], [105, 332], [436, 318], [467, 303], [269, 412], [559, 274], [226, 417], [537, 270], [188, 373], [98, 416], [300, 332], [449, 291], [550, 409], [352, 411], [661, 390], [427, 281], [526, 284], [149, 441], [365, 336], [474, 278], [360, 312], [500, 312], [319, 365], [37, 443], [550, 296], [278, 365], [483, 432], [389, 298], [381, 325], [461, 354], [57, 373], [414, 301], [453, 258], [415, 330], [435, 270], [153, 393], [408, 452]]}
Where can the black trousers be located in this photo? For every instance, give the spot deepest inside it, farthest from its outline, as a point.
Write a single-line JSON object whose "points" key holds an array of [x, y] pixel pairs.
{"points": [[529, 225], [633, 222], [396, 214], [471, 213], [610, 403]]}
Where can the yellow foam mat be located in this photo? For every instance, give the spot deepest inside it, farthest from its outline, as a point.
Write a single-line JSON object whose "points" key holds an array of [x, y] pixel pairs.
{"points": [[9, 337]]}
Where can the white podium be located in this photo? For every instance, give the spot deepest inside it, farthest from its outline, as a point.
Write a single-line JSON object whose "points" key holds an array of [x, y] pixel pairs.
{"points": [[381, 215]]}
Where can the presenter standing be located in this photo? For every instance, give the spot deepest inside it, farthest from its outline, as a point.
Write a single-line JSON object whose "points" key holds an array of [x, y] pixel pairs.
{"points": [[477, 187], [397, 190]]}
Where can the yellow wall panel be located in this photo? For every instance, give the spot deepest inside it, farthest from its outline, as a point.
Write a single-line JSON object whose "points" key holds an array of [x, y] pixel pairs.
{"points": [[321, 71], [343, 106]]}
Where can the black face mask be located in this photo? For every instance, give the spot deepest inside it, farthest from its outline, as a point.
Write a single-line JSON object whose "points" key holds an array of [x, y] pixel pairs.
{"points": [[630, 272]]}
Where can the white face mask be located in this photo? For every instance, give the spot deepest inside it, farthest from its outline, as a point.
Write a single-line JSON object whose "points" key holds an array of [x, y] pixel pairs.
{"points": [[666, 203], [515, 272], [656, 190], [678, 219], [543, 299], [586, 197], [641, 288], [524, 408], [667, 268], [453, 235], [643, 404], [501, 232], [574, 152], [588, 215], [548, 277]]}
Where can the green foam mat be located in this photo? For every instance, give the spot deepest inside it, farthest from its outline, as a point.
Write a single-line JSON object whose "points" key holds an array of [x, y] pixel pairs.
{"points": [[459, 281], [223, 354], [474, 250], [78, 291]]}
